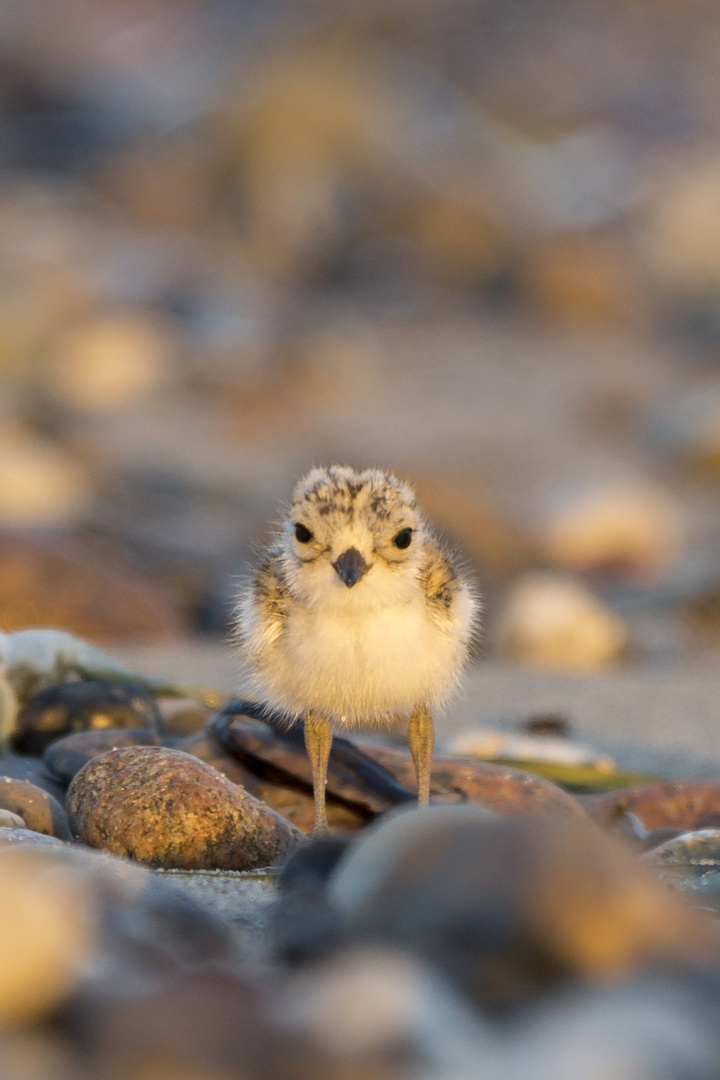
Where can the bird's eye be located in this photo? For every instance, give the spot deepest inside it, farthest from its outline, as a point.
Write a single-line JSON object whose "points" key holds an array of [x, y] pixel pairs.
{"points": [[302, 534], [403, 539]]}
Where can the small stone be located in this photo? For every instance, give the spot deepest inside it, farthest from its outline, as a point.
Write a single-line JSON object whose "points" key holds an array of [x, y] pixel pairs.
{"points": [[66, 756], [29, 838], [681, 225], [39, 810], [689, 428], [79, 706], [510, 908], [46, 934], [685, 804], [109, 361], [40, 484], [482, 783], [8, 820], [699, 849], [168, 809], [556, 623], [147, 923], [22, 767], [626, 526]]}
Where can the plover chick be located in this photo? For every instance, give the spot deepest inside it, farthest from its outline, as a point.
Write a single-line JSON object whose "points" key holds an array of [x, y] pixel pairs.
{"points": [[355, 617]]}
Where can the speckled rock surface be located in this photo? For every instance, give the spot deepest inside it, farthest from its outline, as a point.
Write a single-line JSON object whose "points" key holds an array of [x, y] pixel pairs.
{"points": [[167, 809], [66, 756]]}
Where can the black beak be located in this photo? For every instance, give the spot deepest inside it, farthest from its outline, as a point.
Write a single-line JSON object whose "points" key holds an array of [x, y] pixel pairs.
{"points": [[351, 567]]}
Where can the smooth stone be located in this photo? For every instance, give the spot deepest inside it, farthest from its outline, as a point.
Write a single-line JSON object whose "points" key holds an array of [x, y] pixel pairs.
{"points": [[683, 218], [482, 783], [40, 484], [685, 804], [40, 811], [265, 743], [66, 756], [107, 362], [167, 809], [625, 526], [649, 1027], [8, 820], [577, 279], [552, 622], [147, 924], [29, 838], [690, 861], [22, 767], [47, 933], [79, 706], [512, 907], [303, 924]]}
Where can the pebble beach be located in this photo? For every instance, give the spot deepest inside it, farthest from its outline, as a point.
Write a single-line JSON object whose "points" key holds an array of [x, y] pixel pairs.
{"points": [[471, 243]]}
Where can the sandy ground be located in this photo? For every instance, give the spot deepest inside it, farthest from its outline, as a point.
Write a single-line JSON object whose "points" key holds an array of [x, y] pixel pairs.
{"points": [[651, 720]]}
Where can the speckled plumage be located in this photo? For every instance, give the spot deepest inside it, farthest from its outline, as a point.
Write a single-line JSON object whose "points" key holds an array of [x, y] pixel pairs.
{"points": [[354, 625]]}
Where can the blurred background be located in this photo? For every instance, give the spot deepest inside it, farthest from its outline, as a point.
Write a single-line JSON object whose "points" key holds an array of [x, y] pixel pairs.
{"points": [[475, 242]]}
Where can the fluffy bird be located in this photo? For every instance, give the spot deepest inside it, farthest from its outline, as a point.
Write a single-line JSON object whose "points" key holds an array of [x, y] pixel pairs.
{"points": [[355, 617]]}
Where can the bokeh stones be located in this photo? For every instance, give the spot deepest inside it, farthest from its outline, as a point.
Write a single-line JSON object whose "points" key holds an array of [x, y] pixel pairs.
{"points": [[678, 804], [39, 810], [509, 907], [46, 934], [76, 706], [620, 527], [549, 621], [23, 767], [55, 580], [109, 361], [168, 809], [72, 915]]}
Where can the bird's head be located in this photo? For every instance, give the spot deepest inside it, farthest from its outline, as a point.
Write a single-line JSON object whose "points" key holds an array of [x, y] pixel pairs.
{"points": [[353, 533]]}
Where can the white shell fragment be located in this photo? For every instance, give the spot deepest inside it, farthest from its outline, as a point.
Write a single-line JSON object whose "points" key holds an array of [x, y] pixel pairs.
{"points": [[490, 745]]}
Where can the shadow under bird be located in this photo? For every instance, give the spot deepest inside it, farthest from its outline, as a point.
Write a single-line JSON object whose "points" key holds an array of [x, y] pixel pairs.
{"points": [[356, 618]]}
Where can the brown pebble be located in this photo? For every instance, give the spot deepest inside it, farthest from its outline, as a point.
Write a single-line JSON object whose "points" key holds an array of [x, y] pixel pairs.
{"points": [[38, 809], [684, 804], [46, 934], [513, 906], [167, 809], [66, 756], [497, 787], [22, 767]]}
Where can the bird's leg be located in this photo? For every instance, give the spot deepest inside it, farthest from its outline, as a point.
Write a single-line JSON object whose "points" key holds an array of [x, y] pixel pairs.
{"points": [[318, 740], [421, 739]]}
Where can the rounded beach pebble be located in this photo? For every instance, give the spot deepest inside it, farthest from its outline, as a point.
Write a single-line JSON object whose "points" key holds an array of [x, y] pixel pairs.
{"points": [[38, 809], [167, 809]]}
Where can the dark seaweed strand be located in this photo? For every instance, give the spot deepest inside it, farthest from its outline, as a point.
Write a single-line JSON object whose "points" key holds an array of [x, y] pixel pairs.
{"points": [[349, 768]]}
